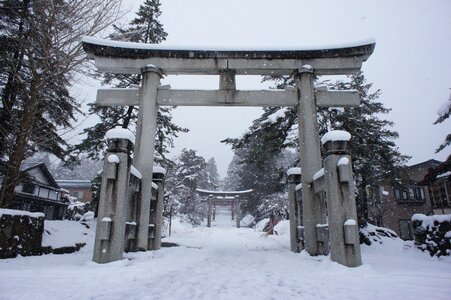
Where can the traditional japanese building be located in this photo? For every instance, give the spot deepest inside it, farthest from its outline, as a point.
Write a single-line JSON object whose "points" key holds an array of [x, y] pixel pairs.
{"points": [[38, 191]]}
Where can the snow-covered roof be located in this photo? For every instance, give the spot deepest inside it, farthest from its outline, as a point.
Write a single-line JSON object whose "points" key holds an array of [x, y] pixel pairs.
{"points": [[103, 47], [224, 193], [74, 183]]}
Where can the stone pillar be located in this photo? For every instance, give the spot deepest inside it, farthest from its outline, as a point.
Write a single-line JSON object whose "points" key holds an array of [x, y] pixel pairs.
{"points": [[144, 150], [294, 178], [210, 210], [232, 208], [158, 177], [342, 212], [110, 232], [238, 211], [309, 148]]}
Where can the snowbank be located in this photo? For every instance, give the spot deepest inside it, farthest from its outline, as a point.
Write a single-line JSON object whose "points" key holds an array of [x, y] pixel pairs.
{"points": [[247, 221], [371, 234], [223, 263], [58, 234]]}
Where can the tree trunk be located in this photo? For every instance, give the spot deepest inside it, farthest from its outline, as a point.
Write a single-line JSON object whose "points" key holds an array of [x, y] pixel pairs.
{"points": [[18, 153]]}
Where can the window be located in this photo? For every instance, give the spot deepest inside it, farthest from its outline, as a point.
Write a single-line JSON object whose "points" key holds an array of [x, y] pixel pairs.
{"points": [[422, 194], [43, 192], [28, 188], [405, 230], [410, 194]]}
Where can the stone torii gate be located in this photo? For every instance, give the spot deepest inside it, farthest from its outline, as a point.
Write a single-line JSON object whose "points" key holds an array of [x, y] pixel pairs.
{"points": [[233, 198], [154, 61]]}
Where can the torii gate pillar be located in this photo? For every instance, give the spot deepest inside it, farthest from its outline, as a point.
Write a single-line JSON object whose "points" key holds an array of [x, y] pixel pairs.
{"points": [[312, 204], [145, 144]]}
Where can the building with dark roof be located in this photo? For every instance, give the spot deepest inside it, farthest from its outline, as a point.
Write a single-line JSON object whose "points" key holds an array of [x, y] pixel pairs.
{"points": [[38, 191]]}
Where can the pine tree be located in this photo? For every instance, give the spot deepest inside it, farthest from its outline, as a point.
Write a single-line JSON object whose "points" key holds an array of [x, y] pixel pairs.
{"points": [[263, 174], [145, 28], [443, 113], [374, 152], [188, 173], [375, 155], [213, 175], [40, 55]]}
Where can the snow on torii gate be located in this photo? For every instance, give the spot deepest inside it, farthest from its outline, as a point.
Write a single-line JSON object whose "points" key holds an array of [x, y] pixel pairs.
{"points": [[152, 61], [234, 196]]}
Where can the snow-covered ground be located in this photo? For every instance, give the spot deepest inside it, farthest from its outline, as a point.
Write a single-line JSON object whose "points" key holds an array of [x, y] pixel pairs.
{"points": [[223, 262]]}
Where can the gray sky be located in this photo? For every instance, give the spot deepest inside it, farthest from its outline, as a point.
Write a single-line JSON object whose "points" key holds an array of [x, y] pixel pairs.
{"points": [[411, 63]]}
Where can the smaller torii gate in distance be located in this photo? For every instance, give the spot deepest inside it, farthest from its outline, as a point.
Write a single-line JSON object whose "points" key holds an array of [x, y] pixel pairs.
{"points": [[155, 61], [233, 198]]}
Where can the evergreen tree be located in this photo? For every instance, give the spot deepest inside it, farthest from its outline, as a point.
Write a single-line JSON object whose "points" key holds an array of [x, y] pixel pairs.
{"points": [[188, 173], [374, 152], [145, 28], [40, 54], [264, 175], [213, 175], [375, 155], [443, 113]]}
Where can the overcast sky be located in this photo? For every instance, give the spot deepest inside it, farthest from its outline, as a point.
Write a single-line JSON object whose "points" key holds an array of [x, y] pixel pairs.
{"points": [[411, 63]]}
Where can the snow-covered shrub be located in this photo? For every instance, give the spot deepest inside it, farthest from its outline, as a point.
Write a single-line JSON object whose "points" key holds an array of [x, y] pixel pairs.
{"points": [[247, 221], [370, 233], [433, 233], [88, 216], [276, 204], [77, 209], [262, 224]]}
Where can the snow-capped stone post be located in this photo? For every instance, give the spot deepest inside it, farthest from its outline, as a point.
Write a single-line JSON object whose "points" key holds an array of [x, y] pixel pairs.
{"points": [[110, 232], [294, 178], [159, 175], [145, 141], [342, 212], [312, 204], [238, 211], [210, 210]]}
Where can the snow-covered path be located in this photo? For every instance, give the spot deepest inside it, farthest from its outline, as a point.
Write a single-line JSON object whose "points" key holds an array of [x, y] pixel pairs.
{"points": [[223, 262]]}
